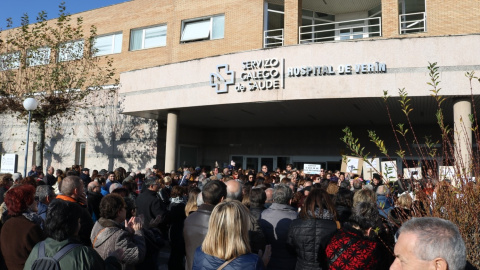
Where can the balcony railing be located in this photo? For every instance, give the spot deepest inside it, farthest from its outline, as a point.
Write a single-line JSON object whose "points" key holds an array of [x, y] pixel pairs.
{"points": [[343, 30], [412, 23], [273, 38]]}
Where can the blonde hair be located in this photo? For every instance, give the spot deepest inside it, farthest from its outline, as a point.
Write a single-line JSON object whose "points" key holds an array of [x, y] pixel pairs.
{"points": [[227, 235], [405, 201], [191, 205], [364, 195]]}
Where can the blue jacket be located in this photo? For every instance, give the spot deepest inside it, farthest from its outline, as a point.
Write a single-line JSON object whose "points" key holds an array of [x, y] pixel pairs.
{"points": [[203, 261]]}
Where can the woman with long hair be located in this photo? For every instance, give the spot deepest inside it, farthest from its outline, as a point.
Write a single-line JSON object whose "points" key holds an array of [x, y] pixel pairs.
{"points": [[310, 233], [226, 245]]}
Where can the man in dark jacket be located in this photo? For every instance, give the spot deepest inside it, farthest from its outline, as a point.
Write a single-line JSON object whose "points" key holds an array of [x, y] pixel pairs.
{"points": [[148, 202], [73, 191], [275, 222], [196, 225], [94, 196], [85, 176], [51, 179]]}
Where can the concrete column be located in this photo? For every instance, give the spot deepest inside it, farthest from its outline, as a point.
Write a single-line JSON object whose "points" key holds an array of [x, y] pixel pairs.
{"points": [[293, 20], [462, 108], [390, 18], [171, 141]]}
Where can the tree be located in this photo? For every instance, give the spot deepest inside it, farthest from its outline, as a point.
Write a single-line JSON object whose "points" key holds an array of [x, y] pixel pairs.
{"points": [[53, 61]]}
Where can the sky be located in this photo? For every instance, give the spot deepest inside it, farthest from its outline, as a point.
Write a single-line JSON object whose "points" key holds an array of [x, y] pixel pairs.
{"points": [[16, 8]]}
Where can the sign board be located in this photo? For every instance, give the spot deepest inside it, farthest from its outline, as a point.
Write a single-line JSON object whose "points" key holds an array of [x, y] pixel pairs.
{"points": [[446, 172], [352, 165], [369, 170], [389, 170], [9, 163], [311, 168], [416, 172]]}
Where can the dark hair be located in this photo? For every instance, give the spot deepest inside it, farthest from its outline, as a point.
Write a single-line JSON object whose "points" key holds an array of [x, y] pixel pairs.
{"points": [[110, 205], [130, 206], [365, 215], [19, 198], [344, 197], [150, 181], [6, 180], [29, 180], [62, 219], [213, 192], [177, 191], [317, 198]]}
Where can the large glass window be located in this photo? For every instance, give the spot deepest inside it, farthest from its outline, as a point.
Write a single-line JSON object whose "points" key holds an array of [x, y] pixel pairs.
{"points": [[150, 37], [10, 61], [203, 28], [108, 44], [38, 57], [71, 50]]}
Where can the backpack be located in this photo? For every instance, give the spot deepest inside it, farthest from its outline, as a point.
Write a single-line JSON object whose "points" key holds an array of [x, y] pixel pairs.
{"points": [[51, 263]]}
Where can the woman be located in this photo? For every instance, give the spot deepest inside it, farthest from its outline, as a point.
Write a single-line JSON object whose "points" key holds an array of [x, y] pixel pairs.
{"points": [[356, 245], [112, 232], [176, 217], [191, 205], [226, 245], [22, 231], [309, 235]]}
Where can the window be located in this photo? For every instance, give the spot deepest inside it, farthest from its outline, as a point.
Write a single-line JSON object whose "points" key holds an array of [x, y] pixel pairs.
{"points": [[10, 61], [71, 50], [80, 153], [38, 57], [203, 29], [108, 44], [151, 37]]}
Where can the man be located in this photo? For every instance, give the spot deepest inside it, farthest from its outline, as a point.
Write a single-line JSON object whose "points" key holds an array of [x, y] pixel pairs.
{"points": [[429, 243], [94, 196], [265, 170], [148, 202], [73, 191], [256, 236], [196, 225], [155, 169], [185, 179], [289, 168], [17, 177], [269, 199], [85, 175], [110, 181], [33, 172], [51, 179], [275, 222], [44, 195]]}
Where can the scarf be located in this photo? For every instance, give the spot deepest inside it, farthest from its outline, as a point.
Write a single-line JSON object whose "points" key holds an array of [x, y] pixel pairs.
{"points": [[33, 217]]}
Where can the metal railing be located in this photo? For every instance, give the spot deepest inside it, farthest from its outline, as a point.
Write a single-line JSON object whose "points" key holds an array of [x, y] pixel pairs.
{"points": [[342, 30], [412, 22], [273, 38]]}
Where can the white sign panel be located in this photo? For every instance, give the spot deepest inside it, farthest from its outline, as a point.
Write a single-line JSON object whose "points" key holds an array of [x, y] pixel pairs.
{"points": [[9, 163], [369, 170], [415, 172], [446, 172], [311, 168], [389, 170]]}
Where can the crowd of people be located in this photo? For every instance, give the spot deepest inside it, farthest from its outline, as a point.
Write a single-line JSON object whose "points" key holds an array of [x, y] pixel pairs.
{"points": [[220, 219]]}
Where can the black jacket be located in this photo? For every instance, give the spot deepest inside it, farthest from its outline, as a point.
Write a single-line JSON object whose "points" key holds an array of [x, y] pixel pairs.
{"points": [[194, 231], [150, 206], [309, 237], [93, 203]]}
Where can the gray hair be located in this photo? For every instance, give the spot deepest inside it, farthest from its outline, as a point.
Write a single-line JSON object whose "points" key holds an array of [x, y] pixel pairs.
{"points": [[43, 192], [232, 193], [282, 194], [199, 199], [437, 238]]}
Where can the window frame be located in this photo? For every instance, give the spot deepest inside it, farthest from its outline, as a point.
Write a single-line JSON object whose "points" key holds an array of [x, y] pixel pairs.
{"points": [[143, 29], [113, 45], [185, 23]]}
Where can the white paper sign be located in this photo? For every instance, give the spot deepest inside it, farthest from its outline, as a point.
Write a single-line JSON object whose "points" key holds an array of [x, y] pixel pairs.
{"points": [[9, 162], [311, 168], [409, 172], [369, 170], [446, 172], [389, 170]]}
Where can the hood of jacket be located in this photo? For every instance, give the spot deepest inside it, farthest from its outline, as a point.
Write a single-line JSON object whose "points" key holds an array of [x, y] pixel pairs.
{"points": [[105, 228]]}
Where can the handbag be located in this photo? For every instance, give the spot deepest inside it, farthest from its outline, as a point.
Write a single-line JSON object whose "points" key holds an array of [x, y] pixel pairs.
{"points": [[225, 263]]}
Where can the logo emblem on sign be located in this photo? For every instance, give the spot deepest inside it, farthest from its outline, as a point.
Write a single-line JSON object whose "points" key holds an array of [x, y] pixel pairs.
{"points": [[220, 82]]}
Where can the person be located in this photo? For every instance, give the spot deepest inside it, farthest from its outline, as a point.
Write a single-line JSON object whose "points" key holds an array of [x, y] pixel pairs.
{"points": [[73, 191], [44, 196], [112, 232], [185, 179], [257, 202], [5, 184], [269, 197], [429, 243], [311, 232], [275, 222], [355, 245], [148, 203], [196, 225], [265, 170], [176, 217], [226, 243], [23, 229], [85, 176], [33, 171], [191, 205], [94, 196], [51, 179], [62, 227]]}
